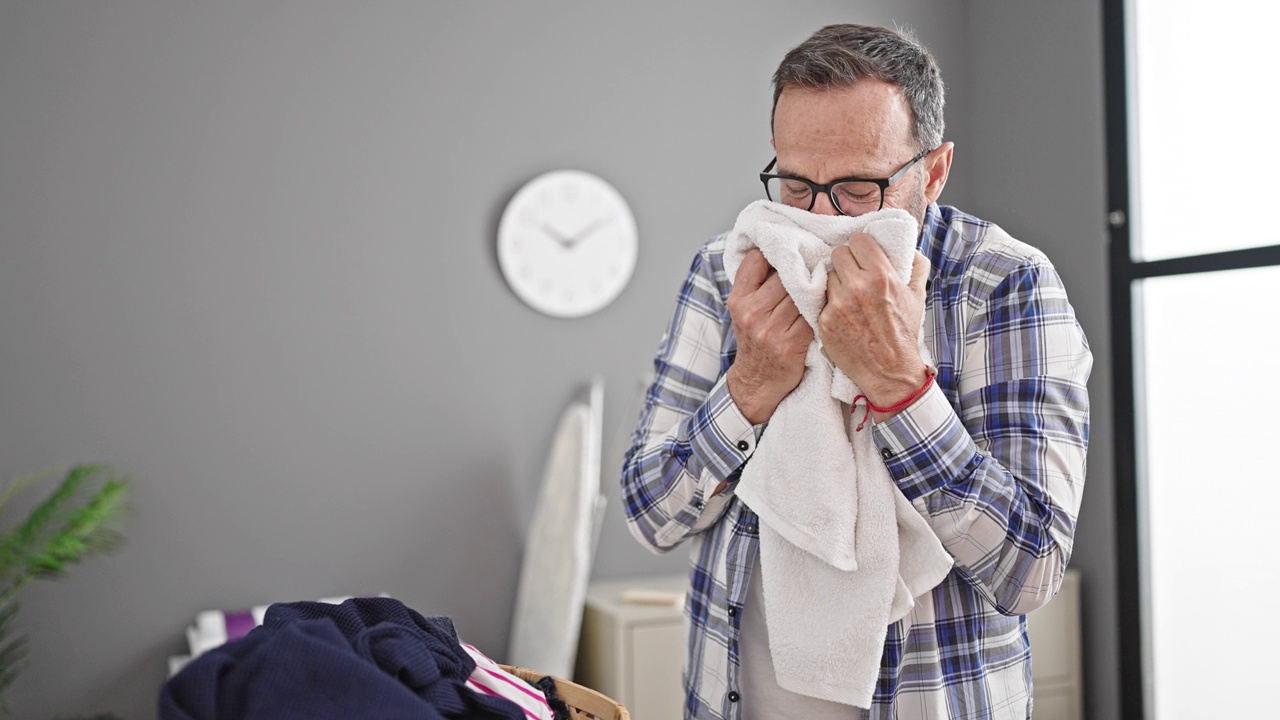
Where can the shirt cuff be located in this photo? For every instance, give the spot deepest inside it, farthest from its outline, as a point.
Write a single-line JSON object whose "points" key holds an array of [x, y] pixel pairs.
{"points": [[723, 438], [926, 447]]}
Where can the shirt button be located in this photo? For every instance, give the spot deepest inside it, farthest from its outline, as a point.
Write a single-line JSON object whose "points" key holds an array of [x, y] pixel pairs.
{"points": [[743, 445], [886, 453], [733, 611], [733, 696], [698, 504], [752, 529]]}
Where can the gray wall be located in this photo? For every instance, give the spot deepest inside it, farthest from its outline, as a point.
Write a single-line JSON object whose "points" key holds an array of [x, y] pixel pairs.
{"points": [[246, 256], [1038, 159]]}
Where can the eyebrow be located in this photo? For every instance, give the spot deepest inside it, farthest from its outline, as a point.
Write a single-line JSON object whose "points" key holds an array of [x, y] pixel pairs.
{"points": [[778, 170]]}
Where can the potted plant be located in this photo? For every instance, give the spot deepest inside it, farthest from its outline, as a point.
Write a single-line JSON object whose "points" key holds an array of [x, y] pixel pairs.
{"points": [[80, 518]]}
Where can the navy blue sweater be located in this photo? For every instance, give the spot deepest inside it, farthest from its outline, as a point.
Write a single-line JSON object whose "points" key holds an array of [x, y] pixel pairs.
{"points": [[365, 658]]}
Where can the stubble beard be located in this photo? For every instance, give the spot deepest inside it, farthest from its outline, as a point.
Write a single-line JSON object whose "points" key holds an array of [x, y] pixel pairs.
{"points": [[918, 205]]}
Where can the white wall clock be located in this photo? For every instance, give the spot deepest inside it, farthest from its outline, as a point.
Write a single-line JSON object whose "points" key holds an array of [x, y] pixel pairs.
{"points": [[567, 243]]}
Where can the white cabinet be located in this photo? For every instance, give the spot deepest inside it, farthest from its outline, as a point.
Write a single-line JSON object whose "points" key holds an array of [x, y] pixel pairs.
{"points": [[1054, 631], [635, 653]]}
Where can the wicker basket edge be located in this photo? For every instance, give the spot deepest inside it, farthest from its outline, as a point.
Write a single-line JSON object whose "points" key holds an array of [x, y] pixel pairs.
{"points": [[584, 703]]}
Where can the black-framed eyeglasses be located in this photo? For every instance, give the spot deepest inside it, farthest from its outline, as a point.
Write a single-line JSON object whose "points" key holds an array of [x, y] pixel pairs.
{"points": [[849, 196]]}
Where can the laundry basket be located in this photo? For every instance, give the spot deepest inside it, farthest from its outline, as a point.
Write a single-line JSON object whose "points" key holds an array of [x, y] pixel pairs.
{"points": [[584, 703]]}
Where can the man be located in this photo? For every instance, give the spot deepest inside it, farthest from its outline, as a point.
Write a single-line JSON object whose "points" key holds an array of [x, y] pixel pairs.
{"points": [[992, 454]]}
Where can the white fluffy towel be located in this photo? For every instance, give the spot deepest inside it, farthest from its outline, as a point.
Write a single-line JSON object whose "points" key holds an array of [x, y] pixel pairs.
{"points": [[843, 553]]}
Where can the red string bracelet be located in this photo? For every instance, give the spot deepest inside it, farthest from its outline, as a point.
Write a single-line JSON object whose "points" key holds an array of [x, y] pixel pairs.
{"points": [[929, 374]]}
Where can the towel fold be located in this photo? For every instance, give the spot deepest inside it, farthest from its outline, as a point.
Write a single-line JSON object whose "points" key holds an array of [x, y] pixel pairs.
{"points": [[842, 552]]}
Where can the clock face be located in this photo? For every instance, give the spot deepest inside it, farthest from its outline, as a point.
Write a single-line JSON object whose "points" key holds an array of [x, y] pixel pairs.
{"points": [[567, 243]]}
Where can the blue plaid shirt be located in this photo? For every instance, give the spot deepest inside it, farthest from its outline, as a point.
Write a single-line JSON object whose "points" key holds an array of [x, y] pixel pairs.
{"points": [[993, 456]]}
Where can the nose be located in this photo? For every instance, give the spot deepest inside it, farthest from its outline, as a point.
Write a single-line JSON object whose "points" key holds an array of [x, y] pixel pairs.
{"points": [[822, 205]]}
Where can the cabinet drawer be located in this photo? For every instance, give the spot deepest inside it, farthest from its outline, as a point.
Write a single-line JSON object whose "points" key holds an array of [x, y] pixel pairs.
{"points": [[657, 653]]}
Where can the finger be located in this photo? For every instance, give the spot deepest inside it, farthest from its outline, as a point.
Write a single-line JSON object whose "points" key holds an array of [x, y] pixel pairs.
{"points": [[920, 267], [772, 293], [795, 326], [800, 325], [868, 253], [785, 311], [817, 330], [753, 271], [843, 264]]}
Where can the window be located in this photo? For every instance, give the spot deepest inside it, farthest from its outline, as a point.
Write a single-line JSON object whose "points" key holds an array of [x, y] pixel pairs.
{"points": [[1195, 279], [1203, 75]]}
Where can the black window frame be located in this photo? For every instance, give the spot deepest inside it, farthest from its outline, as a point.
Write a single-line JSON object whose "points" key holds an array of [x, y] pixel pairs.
{"points": [[1126, 275]]}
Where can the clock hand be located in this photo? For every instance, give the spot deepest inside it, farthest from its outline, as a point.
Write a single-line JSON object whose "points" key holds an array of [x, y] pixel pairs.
{"points": [[565, 242], [587, 231]]}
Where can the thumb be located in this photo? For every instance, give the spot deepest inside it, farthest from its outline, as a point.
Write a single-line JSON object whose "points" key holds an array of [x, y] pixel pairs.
{"points": [[920, 267]]}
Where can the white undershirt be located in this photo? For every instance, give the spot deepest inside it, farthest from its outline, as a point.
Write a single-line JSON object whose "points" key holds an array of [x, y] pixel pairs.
{"points": [[761, 697]]}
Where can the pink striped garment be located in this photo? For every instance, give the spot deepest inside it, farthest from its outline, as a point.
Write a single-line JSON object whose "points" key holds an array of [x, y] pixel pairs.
{"points": [[489, 678]]}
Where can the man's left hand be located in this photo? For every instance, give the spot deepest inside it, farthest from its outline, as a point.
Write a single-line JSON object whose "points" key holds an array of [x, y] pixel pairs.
{"points": [[871, 323]]}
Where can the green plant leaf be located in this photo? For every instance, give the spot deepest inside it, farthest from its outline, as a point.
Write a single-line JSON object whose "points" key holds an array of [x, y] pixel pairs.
{"points": [[13, 653], [65, 528], [31, 532]]}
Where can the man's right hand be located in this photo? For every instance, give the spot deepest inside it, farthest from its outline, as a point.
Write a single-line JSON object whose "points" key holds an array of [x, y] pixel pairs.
{"points": [[773, 339]]}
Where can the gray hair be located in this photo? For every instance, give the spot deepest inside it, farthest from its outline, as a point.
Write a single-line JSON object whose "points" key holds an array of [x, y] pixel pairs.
{"points": [[838, 56]]}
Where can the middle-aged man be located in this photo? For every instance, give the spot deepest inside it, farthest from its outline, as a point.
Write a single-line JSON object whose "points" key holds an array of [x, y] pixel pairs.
{"points": [[992, 454]]}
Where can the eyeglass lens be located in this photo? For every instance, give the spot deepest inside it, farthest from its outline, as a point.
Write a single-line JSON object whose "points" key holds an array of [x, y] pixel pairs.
{"points": [[851, 198]]}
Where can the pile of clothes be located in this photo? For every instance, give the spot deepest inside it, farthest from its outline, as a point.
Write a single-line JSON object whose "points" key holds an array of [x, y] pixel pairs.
{"points": [[217, 627], [364, 657]]}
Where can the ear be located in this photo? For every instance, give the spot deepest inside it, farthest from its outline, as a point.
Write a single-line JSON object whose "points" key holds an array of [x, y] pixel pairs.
{"points": [[936, 167]]}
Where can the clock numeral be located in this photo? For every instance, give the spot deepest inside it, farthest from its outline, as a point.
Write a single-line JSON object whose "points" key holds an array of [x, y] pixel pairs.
{"points": [[569, 192]]}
